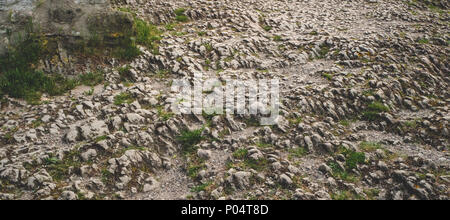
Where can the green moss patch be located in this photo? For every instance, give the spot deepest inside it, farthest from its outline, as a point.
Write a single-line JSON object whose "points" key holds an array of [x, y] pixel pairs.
{"points": [[180, 15], [18, 75], [373, 110]]}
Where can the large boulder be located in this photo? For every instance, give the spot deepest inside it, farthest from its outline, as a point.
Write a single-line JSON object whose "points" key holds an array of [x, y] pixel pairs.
{"points": [[67, 25]]}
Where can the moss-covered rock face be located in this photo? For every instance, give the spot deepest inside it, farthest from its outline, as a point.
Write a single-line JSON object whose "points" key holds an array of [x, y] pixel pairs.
{"points": [[70, 22], [45, 43], [110, 28], [108, 23], [437, 3]]}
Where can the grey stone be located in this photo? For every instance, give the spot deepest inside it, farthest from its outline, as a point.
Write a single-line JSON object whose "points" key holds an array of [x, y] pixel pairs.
{"points": [[240, 179], [68, 195], [285, 180], [94, 129], [89, 154], [325, 169], [135, 118], [204, 154]]}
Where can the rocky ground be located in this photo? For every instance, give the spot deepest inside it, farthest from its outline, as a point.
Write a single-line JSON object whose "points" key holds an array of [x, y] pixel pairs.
{"points": [[364, 115]]}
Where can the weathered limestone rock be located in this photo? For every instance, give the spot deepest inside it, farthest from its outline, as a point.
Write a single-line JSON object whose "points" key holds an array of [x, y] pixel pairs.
{"points": [[94, 129]]}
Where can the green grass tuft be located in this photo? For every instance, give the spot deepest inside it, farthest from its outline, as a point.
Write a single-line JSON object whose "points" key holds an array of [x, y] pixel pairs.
{"points": [[423, 41], [147, 34], [277, 38], [267, 28], [373, 110], [369, 146], [240, 153], [295, 121], [180, 16], [123, 98], [324, 50], [189, 138], [345, 123], [258, 165], [201, 187], [346, 195], [125, 74], [92, 78], [353, 158], [128, 49], [20, 79], [60, 169], [163, 114], [328, 76], [378, 107], [298, 152]]}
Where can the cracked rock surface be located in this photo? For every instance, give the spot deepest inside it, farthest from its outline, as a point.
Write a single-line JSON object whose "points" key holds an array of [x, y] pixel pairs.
{"points": [[364, 113]]}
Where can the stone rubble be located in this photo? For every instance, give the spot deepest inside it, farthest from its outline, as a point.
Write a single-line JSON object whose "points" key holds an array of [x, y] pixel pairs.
{"points": [[333, 58]]}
